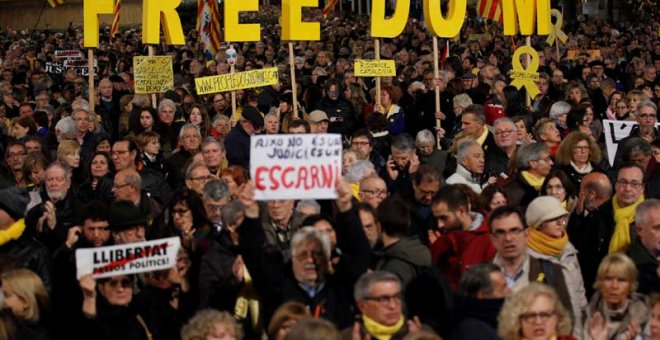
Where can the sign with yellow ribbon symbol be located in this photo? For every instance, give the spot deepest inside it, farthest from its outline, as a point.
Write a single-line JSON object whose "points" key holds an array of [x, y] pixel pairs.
{"points": [[556, 32], [526, 77]]}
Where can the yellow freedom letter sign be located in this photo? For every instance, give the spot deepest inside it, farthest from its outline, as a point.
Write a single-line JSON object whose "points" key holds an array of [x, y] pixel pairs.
{"points": [[382, 27], [292, 26], [438, 25], [152, 13], [91, 11], [526, 11], [234, 31]]}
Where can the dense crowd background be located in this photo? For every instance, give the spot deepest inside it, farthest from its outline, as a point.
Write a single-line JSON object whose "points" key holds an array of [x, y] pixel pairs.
{"points": [[508, 221]]}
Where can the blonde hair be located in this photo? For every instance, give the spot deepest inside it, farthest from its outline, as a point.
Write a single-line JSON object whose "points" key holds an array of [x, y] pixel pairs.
{"points": [[510, 327], [619, 264], [67, 147], [29, 288], [285, 312], [204, 322]]}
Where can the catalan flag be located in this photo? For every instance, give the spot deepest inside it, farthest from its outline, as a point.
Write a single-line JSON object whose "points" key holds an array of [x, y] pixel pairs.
{"points": [[329, 7], [115, 19], [55, 3], [208, 25], [490, 9]]}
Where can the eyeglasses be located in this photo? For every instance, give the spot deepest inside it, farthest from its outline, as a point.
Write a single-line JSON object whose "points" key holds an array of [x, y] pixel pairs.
{"points": [[634, 184], [118, 152], [503, 132], [124, 283], [316, 255], [647, 115], [180, 211], [201, 178], [374, 193], [384, 299], [536, 316], [561, 220], [16, 154], [214, 207], [503, 233]]}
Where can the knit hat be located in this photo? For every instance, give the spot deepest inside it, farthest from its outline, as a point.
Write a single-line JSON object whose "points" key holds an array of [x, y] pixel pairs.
{"points": [[14, 201], [124, 215], [543, 209]]}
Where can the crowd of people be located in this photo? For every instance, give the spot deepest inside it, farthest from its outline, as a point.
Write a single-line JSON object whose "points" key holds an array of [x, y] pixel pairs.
{"points": [[507, 221]]}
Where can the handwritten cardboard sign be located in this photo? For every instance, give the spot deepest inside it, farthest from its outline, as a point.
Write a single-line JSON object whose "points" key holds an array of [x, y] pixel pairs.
{"points": [[127, 258], [73, 63], [237, 81], [68, 54], [615, 131], [153, 74], [374, 68], [300, 166]]}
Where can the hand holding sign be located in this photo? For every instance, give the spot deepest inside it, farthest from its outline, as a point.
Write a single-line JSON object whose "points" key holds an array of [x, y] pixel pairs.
{"points": [[344, 195], [246, 196], [526, 77]]}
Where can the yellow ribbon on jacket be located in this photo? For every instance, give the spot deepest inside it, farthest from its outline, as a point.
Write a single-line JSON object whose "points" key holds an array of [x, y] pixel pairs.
{"points": [[13, 232], [533, 180], [623, 217], [555, 29], [547, 245], [526, 77], [381, 332]]}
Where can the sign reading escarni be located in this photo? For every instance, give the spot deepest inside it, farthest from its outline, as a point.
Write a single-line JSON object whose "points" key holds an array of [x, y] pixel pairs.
{"points": [[300, 166], [374, 68], [127, 258], [236, 81], [153, 74]]}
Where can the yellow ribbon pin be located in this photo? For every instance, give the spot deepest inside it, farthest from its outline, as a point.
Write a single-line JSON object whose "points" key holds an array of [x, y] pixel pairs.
{"points": [[526, 77], [555, 29]]}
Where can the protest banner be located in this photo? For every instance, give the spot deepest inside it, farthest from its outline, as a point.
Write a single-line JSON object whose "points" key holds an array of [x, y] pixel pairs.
{"points": [[68, 54], [236, 81], [374, 68], [615, 131], [574, 54], [127, 258], [75, 63], [295, 166], [153, 74]]}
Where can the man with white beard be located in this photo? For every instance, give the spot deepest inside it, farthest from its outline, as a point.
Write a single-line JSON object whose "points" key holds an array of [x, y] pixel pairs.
{"points": [[59, 208]]}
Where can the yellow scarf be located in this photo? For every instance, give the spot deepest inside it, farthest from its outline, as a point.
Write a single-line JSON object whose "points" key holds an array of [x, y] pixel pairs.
{"points": [[535, 182], [547, 245], [379, 331], [564, 204], [13, 232], [482, 139], [623, 217]]}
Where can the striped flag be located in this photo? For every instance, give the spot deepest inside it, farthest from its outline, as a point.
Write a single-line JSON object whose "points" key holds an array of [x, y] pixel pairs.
{"points": [[115, 20], [490, 9], [55, 3], [208, 25], [445, 55], [329, 7]]}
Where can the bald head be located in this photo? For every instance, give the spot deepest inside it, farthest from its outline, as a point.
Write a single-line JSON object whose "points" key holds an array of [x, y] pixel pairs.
{"points": [[596, 189]]}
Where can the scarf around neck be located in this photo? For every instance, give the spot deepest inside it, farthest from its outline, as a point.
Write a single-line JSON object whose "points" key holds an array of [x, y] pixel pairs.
{"points": [[623, 217], [13, 232], [583, 170], [381, 332], [535, 182], [546, 245]]}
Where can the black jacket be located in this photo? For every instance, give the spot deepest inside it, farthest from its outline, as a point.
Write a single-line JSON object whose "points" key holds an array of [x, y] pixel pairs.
{"points": [[32, 254], [518, 192], [477, 319], [118, 322], [67, 212], [402, 258], [647, 266], [237, 145], [342, 116]]}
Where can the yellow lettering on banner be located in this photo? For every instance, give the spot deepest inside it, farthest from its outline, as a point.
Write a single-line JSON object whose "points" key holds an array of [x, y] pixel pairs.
{"points": [[293, 28], [527, 13], [555, 29], [155, 11], [382, 27], [525, 76], [91, 11], [153, 74], [436, 22], [235, 31], [236, 81], [374, 68]]}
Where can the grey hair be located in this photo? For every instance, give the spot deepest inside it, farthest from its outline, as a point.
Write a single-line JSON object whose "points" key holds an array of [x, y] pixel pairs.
{"points": [[559, 108], [506, 120], [58, 164], [134, 178], [218, 118], [403, 142], [309, 204], [211, 140], [192, 167], [66, 125], [476, 110], [528, 153], [462, 100], [189, 126], [643, 209], [476, 279], [141, 100], [216, 189], [358, 170], [367, 280], [464, 149], [424, 137], [648, 103], [167, 102], [80, 104], [308, 234], [231, 212]]}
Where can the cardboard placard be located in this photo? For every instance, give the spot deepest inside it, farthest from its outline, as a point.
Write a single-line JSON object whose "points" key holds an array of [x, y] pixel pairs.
{"points": [[237, 81], [374, 68], [68, 54], [295, 166], [153, 74], [127, 258], [573, 54], [615, 131]]}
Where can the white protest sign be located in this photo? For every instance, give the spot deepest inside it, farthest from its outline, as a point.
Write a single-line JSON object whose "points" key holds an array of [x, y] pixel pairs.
{"points": [[300, 166], [127, 258], [615, 131]]}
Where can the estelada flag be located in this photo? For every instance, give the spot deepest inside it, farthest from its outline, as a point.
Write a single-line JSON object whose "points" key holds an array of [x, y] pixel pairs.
{"points": [[54, 3], [490, 9], [208, 25]]}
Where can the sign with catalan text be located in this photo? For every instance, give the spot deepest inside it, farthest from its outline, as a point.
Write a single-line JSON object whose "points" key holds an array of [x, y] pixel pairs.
{"points": [[374, 68], [153, 74]]}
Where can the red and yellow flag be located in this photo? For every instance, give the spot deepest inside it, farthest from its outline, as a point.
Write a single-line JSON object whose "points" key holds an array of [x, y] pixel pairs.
{"points": [[490, 9], [115, 20], [329, 7], [208, 25]]}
